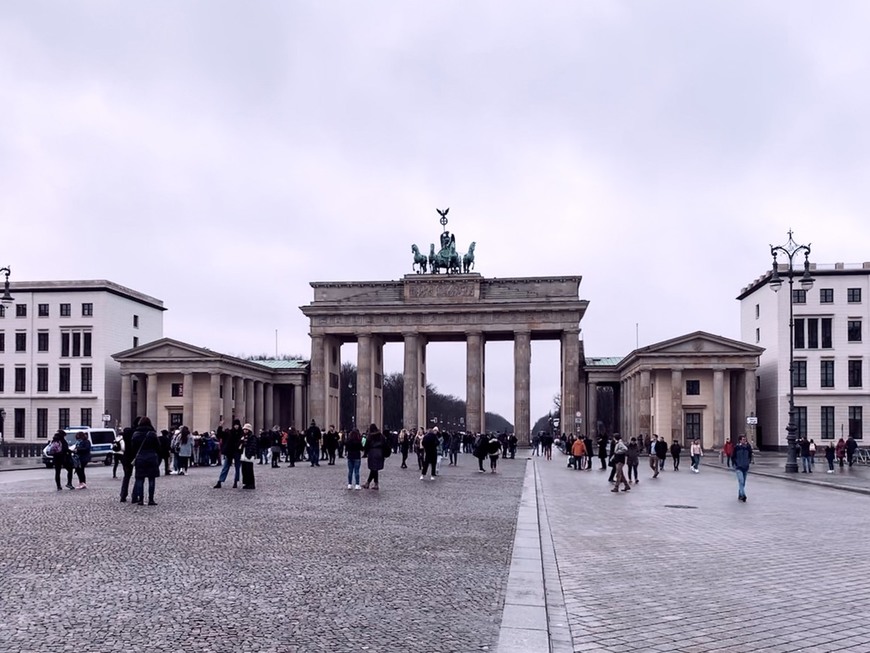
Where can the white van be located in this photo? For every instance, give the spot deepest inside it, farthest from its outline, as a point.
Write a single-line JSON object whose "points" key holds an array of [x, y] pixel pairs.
{"points": [[101, 444]]}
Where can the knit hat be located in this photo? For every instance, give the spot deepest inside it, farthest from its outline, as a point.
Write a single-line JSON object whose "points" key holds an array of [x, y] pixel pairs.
{"points": [[248, 427]]}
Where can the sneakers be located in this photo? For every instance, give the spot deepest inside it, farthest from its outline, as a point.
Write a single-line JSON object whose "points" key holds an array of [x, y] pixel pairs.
{"points": [[431, 478], [830, 471], [356, 487], [350, 486], [422, 478], [82, 486]]}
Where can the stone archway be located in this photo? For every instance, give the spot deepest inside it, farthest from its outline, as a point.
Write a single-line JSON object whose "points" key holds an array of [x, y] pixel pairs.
{"points": [[419, 309]]}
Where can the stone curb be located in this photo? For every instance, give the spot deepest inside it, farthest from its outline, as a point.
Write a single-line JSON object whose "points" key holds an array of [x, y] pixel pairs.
{"points": [[795, 479]]}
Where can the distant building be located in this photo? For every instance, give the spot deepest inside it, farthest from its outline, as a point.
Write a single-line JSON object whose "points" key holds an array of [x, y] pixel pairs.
{"points": [[830, 352], [56, 346]]}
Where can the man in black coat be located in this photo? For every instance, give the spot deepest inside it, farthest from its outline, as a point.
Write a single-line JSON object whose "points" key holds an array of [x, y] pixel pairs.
{"points": [[313, 436], [231, 442], [602, 450], [292, 446]]}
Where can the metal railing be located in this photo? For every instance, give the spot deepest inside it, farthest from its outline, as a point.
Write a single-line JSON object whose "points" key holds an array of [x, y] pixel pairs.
{"points": [[21, 449]]}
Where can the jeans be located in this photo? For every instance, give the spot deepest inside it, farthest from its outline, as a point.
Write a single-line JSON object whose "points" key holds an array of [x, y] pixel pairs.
{"points": [[741, 481], [353, 471], [125, 481], [228, 460], [58, 465], [314, 455], [80, 472], [139, 489], [696, 461], [805, 460]]}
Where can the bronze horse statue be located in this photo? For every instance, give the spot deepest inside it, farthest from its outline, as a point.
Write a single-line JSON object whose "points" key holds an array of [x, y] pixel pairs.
{"points": [[468, 259], [420, 260], [452, 263]]}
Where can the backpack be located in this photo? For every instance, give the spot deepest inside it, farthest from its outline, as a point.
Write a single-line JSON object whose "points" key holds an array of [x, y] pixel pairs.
{"points": [[55, 448], [116, 446]]}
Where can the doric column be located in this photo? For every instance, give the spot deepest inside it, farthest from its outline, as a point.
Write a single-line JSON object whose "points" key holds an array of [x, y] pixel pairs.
{"points": [[316, 386], [187, 405], [249, 401], [592, 411], [522, 383], [126, 416], [239, 402], [378, 384], [258, 407], [215, 403], [151, 402], [140, 405], [268, 405], [411, 382], [474, 384], [226, 401], [364, 381], [570, 380], [645, 409], [677, 404], [718, 407], [299, 420]]}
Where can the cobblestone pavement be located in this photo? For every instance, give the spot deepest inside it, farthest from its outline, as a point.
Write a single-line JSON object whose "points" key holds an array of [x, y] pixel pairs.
{"points": [[300, 564], [678, 564]]}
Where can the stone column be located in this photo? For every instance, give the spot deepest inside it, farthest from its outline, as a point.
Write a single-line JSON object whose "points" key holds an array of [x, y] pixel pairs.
{"points": [[718, 407], [364, 381], [378, 384], [411, 376], [269, 405], [187, 405], [239, 403], [645, 413], [474, 420], [316, 385], [592, 411], [215, 403], [677, 404], [151, 402], [227, 401], [522, 383], [570, 380], [249, 402], [126, 416], [299, 419], [258, 407], [140, 406]]}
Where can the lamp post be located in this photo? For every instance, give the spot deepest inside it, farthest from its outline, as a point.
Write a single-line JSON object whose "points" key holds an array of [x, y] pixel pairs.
{"points": [[790, 250], [6, 299]]}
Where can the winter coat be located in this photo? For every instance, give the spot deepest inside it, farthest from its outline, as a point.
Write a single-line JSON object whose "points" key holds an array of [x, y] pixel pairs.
{"points": [[353, 448], [742, 456], [374, 449], [231, 440], [83, 450], [146, 449], [633, 454]]}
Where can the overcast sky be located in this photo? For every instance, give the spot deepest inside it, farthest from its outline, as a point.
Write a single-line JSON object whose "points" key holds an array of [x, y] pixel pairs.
{"points": [[222, 155]]}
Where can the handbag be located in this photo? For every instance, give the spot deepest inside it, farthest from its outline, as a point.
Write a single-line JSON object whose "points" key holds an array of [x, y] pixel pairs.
{"points": [[76, 461]]}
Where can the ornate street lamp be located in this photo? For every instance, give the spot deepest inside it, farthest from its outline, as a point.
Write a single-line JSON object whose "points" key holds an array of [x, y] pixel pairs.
{"points": [[790, 250], [6, 298]]}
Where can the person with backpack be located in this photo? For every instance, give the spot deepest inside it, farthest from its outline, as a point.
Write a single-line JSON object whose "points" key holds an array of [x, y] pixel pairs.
{"points": [[117, 454], [82, 456], [493, 449], [250, 453], [61, 458], [376, 449]]}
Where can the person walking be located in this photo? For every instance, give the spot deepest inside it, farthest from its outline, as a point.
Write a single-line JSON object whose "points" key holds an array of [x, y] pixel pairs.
{"points": [[418, 448], [653, 457], [404, 446], [275, 448], [183, 446], [812, 454], [430, 453], [830, 452], [117, 454], [851, 447], [61, 458], [728, 451], [165, 449], [455, 446], [128, 461], [620, 450], [804, 445], [676, 452], [632, 459], [481, 450], [494, 448], [250, 452], [578, 451], [696, 452], [353, 452], [375, 449], [602, 451], [742, 458], [292, 446], [231, 442], [313, 436], [82, 457], [661, 449], [146, 461], [330, 443], [841, 451]]}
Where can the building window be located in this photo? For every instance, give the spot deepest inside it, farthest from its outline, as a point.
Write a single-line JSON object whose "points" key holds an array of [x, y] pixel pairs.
{"points": [[812, 333], [757, 311], [42, 341], [64, 344], [800, 418], [176, 420], [20, 310], [42, 422], [853, 295], [799, 341], [63, 418], [63, 380], [87, 379], [76, 344], [65, 310], [827, 374], [826, 295], [135, 321], [827, 423], [86, 344], [854, 331], [800, 374], [799, 296], [135, 341], [42, 310], [87, 309], [20, 379], [2, 341], [693, 426], [2, 378], [855, 380], [42, 379], [758, 335], [177, 389], [87, 417], [693, 387], [856, 422], [19, 422], [2, 310], [21, 342], [827, 330]]}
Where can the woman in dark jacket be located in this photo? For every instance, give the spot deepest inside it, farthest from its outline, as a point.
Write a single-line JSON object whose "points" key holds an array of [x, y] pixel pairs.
{"points": [[83, 451], [250, 446], [374, 449], [62, 459], [146, 462], [632, 459], [353, 451]]}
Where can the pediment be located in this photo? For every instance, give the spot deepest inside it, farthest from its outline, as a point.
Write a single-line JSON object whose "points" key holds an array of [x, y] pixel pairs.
{"points": [[166, 349], [699, 343]]}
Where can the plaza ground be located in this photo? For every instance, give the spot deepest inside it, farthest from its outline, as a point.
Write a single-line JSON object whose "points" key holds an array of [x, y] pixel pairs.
{"points": [[302, 564]]}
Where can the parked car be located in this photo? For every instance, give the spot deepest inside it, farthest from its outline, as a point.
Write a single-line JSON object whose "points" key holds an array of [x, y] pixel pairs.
{"points": [[101, 444]]}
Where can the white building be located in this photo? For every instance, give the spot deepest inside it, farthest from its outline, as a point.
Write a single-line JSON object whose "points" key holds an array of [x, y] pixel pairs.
{"points": [[56, 344], [831, 352]]}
